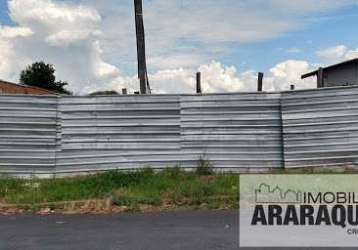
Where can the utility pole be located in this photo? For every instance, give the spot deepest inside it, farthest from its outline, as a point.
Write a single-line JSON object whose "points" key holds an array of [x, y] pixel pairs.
{"points": [[142, 64]]}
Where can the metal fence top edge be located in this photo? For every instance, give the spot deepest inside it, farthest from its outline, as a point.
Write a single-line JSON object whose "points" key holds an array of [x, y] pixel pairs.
{"points": [[319, 90], [177, 95], [189, 95], [153, 95]]}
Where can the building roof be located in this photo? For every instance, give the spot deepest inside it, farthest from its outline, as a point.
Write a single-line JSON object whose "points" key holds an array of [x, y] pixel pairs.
{"points": [[313, 73], [15, 88]]}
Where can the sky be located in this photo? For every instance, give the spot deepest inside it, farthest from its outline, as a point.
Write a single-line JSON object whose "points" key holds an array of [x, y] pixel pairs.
{"points": [[92, 43]]}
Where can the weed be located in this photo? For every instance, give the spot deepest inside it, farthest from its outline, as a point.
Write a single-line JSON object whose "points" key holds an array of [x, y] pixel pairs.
{"points": [[204, 167]]}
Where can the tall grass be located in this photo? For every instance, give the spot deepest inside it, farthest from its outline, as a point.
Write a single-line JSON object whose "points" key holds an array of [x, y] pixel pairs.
{"points": [[145, 187]]}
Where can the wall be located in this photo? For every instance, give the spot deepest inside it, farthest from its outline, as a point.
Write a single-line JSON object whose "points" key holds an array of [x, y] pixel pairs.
{"points": [[28, 128], [13, 88], [344, 75], [65, 135], [232, 131], [167, 130], [320, 127], [119, 132]]}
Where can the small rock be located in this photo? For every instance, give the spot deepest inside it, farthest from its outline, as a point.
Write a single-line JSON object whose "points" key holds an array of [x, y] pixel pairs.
{"points": [[45, 211]]}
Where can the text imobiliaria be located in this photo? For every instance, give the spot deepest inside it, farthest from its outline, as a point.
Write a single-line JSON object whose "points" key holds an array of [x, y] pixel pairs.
{"points": [[315, 209]]}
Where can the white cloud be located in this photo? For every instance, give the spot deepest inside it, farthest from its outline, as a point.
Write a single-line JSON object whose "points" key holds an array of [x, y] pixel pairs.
{"points": [[334, 53], [337, 54], [173, 81], [351, 54], [11, 61], [289, 72], [7, 32], [60, 23], [91, 42], [201, 30], [218, 78], [61, 33]]}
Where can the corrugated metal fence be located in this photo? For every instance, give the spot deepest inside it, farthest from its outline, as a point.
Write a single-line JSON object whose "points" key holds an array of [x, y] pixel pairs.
{"points": [[119, 132], [65, 135], [28, 129], [232, 131], [320, 127]]}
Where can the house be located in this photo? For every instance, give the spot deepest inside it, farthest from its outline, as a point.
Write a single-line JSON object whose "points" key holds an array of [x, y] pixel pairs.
{"points": [[341, 74], [21, 89]]}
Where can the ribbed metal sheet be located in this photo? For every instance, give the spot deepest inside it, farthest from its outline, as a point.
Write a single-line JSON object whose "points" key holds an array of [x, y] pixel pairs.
{"points": [[118, 132], [77, 134], [233, 130], [28, 128], [320, 127], [257, 130]]}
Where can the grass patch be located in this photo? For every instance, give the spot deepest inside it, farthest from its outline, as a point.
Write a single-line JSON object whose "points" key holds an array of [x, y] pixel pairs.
{"points": [[170, 187], [15, 191], [177, 188], [167, 189]]}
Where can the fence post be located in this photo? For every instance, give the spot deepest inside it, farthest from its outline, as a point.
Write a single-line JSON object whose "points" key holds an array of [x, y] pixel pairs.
{"points": [[320, 78], [198, 83], [260, 82]]}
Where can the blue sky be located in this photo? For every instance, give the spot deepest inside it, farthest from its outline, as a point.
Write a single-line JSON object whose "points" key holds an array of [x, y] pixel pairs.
{"points": [[228, 40], [327, 30], [4, 17]]}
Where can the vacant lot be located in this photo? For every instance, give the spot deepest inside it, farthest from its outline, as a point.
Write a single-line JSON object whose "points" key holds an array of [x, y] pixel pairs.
{"points": [[130, 191], [118, 191]]}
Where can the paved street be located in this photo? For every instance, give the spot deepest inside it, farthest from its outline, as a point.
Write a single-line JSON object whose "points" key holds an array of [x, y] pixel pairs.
{"points": [[188, 230]]}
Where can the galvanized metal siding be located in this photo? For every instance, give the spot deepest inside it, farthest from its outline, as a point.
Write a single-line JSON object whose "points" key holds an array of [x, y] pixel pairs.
{"points": [[76, 134], [233, 130], [28, 127], [320, 127], [119, 132]]}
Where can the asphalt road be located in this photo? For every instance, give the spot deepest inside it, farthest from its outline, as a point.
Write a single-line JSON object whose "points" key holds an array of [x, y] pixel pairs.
{"points": [[188, 230]]}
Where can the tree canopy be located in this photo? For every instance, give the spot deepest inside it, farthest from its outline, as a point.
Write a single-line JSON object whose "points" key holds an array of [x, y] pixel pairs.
{"points": [[42, 75]]}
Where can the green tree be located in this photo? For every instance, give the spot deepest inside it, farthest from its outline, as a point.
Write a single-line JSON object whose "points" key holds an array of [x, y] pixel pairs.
{"points": [[42, 75]]}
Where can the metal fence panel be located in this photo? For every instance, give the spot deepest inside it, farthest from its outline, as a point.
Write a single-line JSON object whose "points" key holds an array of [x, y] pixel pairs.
{"points": [[320, 127], [67, 135], [233, 130], [100, 133], [28, 128]]}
